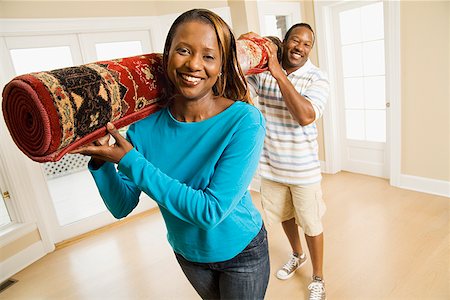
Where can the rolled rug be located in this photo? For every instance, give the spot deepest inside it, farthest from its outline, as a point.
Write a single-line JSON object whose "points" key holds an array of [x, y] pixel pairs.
{"points": [[51, 113], [252, 55]]}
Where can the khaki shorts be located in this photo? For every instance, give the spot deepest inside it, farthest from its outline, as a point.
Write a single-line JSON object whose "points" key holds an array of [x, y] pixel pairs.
{"points": [[282, 202]]}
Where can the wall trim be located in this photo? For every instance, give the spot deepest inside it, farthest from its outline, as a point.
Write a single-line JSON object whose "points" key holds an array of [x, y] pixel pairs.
{"points": [[21, 260], [14, 232], [424, 185], [393, 90], [322, 14], [25, 27], [408, 182]]}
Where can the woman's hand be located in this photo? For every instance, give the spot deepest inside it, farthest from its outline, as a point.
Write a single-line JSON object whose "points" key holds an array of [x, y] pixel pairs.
{"points": [[101, 151]]}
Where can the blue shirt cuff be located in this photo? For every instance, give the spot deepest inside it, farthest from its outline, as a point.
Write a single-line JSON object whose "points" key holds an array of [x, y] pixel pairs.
{"points": [[127, 161]]}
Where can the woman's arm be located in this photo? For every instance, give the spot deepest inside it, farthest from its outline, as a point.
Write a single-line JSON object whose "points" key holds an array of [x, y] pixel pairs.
{"points": [[118, 192]]}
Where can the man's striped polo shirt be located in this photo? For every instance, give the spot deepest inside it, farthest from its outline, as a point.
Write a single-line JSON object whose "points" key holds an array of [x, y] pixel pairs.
{"points": [[290, 153]]}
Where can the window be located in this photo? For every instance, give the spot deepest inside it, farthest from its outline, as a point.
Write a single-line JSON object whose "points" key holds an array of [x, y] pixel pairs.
{"points": [[72, 206], [39, 59], [118, 49], [362, 48]]}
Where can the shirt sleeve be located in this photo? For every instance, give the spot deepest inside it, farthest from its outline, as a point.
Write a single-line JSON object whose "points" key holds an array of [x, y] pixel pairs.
{"points": [[317, 93], [118, 192]]}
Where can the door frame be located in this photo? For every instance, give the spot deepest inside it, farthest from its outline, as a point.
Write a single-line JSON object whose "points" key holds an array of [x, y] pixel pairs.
{"points": [[326, 50], [292, 10]]}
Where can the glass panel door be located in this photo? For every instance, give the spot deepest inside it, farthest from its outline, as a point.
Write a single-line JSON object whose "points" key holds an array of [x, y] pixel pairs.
{"points": [[359, 39], [76, 206]]}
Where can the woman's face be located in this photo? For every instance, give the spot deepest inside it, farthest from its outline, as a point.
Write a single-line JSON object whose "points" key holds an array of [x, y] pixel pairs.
{"points": [[194, 60]]}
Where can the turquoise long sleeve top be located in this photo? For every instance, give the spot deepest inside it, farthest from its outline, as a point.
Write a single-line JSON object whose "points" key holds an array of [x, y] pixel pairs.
{"points": [[198, 173]]}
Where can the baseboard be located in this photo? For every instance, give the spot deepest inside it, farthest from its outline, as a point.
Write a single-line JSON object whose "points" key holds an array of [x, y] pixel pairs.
{"points": [[425, 185], [408, 182], [21, 260]]}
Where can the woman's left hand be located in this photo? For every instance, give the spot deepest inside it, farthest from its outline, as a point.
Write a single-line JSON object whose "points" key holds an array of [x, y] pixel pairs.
{"points": [[104, 151]]}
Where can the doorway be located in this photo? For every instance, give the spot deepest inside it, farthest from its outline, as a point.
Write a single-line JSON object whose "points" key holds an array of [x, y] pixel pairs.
{"points": [[357, 51], [76, 206]]}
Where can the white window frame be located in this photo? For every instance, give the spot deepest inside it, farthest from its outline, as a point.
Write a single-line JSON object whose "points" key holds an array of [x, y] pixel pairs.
{"points": [[89, 40]]}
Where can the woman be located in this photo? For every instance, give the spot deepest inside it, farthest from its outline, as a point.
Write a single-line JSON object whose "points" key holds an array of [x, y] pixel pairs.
{"points": [[196, 158]]}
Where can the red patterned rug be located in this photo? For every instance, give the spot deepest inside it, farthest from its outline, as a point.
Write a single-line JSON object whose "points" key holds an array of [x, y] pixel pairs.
{"points": [[51, 113]]}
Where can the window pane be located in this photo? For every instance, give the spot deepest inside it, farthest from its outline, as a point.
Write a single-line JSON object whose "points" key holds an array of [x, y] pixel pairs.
{"points": [[376, 125], [374, 92], [106, 51], [271, 25], [373, 53], [350, 22], [352, 60], [282, 26], [275, 25], [40, 59], [74, 204], [372, 21], [354, 120], [354, 93]]}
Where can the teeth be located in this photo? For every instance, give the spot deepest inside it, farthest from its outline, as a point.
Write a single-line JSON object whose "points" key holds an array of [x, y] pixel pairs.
{"points": [[190, 78]]}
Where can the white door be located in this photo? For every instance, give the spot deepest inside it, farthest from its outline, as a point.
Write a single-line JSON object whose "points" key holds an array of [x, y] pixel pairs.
{"points": [[6, 208], [359, 45], [75, 206]]}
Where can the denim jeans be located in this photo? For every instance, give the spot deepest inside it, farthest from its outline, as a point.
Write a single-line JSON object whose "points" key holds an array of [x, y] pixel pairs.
{"points": [[243, 277]]}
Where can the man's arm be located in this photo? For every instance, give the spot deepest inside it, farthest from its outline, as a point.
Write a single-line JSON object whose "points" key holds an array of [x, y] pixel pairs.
{"points": [[300, 108]]}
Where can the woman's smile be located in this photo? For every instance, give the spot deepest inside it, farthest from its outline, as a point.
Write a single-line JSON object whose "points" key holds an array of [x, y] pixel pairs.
{"points": [[189, 80]]}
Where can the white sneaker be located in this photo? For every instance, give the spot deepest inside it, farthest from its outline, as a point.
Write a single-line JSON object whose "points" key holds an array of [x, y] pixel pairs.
{"points": [[317, 289], [289, 268]]}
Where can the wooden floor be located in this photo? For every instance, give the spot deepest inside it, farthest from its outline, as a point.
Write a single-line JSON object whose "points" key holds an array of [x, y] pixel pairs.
{"points": [[381, 242]]}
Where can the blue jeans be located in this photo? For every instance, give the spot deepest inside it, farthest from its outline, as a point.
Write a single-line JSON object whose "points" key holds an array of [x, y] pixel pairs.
{"points": [[245, 276]]}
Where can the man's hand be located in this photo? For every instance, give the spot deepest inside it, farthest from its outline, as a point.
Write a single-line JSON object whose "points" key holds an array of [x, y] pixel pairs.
{"points": [[101, 151], [273, 64]]}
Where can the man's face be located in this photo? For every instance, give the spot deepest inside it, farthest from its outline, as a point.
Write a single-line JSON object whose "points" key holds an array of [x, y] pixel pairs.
{"points": [[296, 48]]}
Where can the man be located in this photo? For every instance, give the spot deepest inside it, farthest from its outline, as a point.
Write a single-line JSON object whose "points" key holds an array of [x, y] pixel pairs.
{"points": [[292, 96]]}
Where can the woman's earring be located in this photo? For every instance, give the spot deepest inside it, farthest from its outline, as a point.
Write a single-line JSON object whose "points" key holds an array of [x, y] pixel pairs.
{"points": [[220, 74]]}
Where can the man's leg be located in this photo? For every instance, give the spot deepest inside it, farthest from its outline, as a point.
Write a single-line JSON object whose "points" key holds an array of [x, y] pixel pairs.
{"points": [[291, 231], [315, 247], [277, 205], [310, 208]]}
